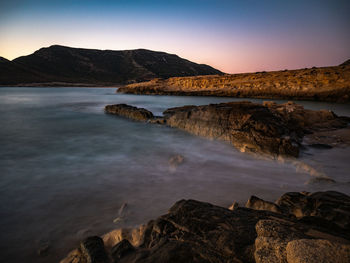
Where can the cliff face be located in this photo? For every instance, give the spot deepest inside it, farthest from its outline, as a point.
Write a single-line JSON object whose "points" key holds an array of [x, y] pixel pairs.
{"points": [[77, 65], [326, 84]]}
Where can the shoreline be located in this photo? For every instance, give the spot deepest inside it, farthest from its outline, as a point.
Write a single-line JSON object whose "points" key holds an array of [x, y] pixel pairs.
{"points": [[317, 84], [297, 227], [268, 130]]}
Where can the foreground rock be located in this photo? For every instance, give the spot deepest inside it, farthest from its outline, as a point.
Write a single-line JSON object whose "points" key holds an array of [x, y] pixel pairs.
{"points": [[194, 231], [274, 129], [324, 84]]}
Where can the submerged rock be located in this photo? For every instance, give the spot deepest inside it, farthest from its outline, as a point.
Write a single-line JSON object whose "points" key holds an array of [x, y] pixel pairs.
{"points": [[272, 129], [194, 231]]}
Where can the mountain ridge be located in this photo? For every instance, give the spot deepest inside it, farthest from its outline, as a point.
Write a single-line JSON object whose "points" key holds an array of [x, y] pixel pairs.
{"points": [[99, 67]]}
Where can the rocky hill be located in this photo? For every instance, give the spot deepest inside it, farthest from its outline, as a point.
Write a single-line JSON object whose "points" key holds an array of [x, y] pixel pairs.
{"points": [[96, 67], [326, 84]]}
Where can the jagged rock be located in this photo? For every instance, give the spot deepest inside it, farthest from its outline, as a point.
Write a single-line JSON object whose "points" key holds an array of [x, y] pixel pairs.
{"points": [[134, 113], [194, 231], [93, 250], [259, 204], [270, 129], [332, 206], [121, 249], [233, 206]]}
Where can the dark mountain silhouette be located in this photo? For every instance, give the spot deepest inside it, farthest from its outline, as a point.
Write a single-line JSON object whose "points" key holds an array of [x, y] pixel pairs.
{"points": [[346, 63], [91, 66]]}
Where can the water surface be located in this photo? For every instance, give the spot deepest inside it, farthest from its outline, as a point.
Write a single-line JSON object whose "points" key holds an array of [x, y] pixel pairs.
{"points": [[66, 167]]}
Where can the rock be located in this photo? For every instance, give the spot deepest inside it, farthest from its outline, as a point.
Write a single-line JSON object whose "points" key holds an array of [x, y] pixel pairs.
{"points": [[74, 256], [43, 250], [270, 129], [234, 206], [320, 179], [273, 237], [194, 231], [175, 161], [122, 209], [248, 126], [121, 249], [133, 235], [321, 146], [332, 206], [93, 250], [259, 204], [134, 113], [317, 251]]}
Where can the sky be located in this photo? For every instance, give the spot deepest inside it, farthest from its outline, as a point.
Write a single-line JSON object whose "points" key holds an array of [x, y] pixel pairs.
{"points": [[231, 35]]}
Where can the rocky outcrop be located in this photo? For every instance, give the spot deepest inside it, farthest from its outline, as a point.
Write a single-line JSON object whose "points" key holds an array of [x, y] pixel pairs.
{"points": [[270, 128], [130, 112], [194, 231], [324, 84]]}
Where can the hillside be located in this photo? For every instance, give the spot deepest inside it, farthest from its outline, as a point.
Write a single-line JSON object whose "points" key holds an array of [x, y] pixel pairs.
{"points": [[100, 67], [326, 84]]}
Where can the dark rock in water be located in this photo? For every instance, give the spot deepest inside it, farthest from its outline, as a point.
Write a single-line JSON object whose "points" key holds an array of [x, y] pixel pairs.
{"points": [[271, 129], [194, 231], [43, 250], [320, 179], [321, 146], [134, 113], [93, 250]]}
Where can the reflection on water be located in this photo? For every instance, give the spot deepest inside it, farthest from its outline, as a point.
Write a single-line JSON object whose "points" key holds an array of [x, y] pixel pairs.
{"points": [[67, 168]]}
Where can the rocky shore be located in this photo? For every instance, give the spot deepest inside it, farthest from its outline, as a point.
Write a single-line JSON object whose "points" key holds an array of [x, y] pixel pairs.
{"points": [[320, 84], [267, 129], [298, 227]]}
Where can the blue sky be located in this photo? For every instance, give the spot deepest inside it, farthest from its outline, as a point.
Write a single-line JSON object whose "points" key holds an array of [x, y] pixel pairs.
{"points": [[234, 36]]}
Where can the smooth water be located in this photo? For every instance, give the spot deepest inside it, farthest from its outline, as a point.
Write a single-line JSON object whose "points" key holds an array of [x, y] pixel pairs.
{"points": [[66, 167]]}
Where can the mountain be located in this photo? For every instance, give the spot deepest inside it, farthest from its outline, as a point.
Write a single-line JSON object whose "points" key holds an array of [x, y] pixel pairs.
{"points": [[100, 67], [346, 63]]}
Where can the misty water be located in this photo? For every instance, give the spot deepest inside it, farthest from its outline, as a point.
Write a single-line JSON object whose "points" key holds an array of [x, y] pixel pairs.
{"points": [[66, 167]]}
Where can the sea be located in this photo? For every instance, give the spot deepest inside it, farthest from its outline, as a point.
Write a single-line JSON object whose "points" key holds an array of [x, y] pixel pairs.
{"points": [[67, 168]]}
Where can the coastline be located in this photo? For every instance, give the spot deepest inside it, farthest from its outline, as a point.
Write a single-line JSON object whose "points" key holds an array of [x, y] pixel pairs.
{"points": [[316, 84], [297, 227]]}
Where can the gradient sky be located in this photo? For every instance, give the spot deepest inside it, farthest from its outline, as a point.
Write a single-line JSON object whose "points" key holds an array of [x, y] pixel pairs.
{"points": [[233, 36]]}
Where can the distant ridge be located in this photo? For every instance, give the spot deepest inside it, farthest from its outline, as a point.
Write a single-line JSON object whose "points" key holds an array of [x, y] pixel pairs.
{"points": [[346, 63], [96, 67], [320, 84]]}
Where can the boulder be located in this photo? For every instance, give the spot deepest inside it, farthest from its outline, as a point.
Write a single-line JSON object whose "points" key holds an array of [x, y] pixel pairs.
{"points": [[317, 251], [260, 204], [332, 206], [194, 231], [93, 250], [134, 113]]}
